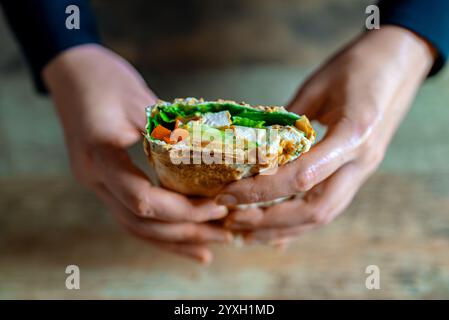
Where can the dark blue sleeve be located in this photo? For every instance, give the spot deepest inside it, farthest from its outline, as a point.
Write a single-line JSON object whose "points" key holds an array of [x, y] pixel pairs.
{"points": [[40, 27], [427, 18]]}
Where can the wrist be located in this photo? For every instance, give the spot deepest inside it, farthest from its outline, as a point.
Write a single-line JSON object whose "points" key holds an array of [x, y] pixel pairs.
{"points": [[66, 66], [398, 49], [413, 44]]}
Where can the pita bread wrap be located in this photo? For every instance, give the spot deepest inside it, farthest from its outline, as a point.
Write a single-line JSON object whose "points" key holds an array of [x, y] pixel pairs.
{"points": [[197, 147]]}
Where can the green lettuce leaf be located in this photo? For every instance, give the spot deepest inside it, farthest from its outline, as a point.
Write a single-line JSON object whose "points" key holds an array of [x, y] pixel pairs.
{"points": [[241, 115], [245, 122], [271, 118]]}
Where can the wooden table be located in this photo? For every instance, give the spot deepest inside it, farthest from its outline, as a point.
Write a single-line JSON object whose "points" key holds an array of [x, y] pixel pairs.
{"points": [[398, 222]]}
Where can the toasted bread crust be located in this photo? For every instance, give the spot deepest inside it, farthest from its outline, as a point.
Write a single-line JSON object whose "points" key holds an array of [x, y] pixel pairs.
{"points": [[194, 179]]}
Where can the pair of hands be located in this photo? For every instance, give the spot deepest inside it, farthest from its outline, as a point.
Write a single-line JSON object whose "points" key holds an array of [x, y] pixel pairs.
{"points": [[360, 95]]}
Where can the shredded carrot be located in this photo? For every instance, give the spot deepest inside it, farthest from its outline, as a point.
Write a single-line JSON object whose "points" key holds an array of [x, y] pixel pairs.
{"points": [[171, 137], [160, 132]]}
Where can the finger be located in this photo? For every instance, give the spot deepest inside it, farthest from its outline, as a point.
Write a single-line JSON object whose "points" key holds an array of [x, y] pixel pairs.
{"points": [[163, 231], [131, 186], [319, 206], [336, 149], [177, 232], [197, 252], [277, 236]]}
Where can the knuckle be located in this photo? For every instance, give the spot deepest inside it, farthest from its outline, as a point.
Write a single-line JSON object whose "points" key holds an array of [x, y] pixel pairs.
{"points": [[256, 193], [316, 219], [369, 151], [318, 216], [373, 158], [141, 207], [356, 131], [360, 129], [303, 180], [369, 117]]}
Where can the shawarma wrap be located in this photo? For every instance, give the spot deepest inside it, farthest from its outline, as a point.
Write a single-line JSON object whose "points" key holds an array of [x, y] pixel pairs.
{"points": [[197, 147]]}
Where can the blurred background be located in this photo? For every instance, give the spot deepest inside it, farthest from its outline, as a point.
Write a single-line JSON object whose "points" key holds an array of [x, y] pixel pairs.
{"points": [[257, 51]]}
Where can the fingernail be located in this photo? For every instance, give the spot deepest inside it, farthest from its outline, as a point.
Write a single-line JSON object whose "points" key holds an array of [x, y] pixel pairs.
{"points": [[226, 200], [221, 236], [218, 212], [205, 259], [229, 237]]}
